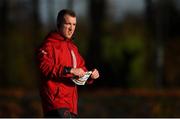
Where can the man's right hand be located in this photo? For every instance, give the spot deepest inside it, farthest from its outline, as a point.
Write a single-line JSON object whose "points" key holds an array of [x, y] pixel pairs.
{"points": [[77, 72]]}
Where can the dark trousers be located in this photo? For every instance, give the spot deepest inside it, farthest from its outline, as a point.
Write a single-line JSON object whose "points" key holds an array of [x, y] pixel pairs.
{"points": [[61, 113]]}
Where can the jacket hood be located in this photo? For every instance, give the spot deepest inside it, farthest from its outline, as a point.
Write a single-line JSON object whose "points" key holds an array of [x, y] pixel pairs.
{"points": [[57, 36]]}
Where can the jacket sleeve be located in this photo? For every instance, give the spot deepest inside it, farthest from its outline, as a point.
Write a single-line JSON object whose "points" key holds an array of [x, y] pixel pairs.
{"points": [[46, 64]]}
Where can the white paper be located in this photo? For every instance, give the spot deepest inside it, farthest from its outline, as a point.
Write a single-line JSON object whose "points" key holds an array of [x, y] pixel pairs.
{"points": [[82, 80]]}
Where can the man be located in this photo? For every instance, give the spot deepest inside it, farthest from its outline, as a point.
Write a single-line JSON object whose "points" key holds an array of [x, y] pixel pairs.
{"points": [[60, 63]]}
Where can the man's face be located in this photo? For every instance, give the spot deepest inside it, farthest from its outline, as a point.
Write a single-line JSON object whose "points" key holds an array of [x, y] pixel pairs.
{"points": [[68, 27]]}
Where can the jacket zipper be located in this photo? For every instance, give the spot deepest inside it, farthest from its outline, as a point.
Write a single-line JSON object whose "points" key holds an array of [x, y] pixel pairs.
{"points": [[74, 66]]}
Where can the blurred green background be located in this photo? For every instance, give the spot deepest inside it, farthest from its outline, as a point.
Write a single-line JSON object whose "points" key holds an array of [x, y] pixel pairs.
{"points": [[133, 43]]}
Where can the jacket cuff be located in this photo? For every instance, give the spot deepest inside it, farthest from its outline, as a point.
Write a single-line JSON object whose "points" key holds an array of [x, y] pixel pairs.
{"points": [[67, 70], [90, 81]]}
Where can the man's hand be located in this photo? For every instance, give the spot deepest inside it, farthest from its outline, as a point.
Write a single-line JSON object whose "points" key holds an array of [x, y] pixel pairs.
{"points": [[77, 72], [95, 74]]}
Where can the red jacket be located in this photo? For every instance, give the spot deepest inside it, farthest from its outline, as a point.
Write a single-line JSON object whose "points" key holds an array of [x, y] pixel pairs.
{"points": [[56, 88]]}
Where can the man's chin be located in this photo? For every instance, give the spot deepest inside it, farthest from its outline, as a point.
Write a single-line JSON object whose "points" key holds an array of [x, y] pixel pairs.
{"points": [[68, 37]]}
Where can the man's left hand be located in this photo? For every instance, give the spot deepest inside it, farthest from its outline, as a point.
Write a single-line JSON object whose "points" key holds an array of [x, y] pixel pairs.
{"points": [[95, 74]]}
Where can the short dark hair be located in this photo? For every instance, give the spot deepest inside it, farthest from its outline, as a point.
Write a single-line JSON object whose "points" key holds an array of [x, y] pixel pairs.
{"points": [[62, 13]]}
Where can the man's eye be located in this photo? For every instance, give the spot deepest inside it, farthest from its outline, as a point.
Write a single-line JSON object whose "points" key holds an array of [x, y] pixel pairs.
{"points": [[66, 23]]}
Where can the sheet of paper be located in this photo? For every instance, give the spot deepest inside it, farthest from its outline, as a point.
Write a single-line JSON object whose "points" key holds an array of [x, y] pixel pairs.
{"points": [[82, 80]]}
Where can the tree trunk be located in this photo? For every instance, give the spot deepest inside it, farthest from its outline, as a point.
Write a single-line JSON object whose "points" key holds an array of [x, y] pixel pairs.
{"points": [[97, 16], [4, 43], [36, 22]]}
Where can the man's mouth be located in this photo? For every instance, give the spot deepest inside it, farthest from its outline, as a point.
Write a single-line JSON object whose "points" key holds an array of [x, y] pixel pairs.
{"points": [[69, 33]]}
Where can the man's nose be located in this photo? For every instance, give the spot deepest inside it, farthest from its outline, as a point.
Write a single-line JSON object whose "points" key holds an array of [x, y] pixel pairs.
{"points": [[70, 27]]}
